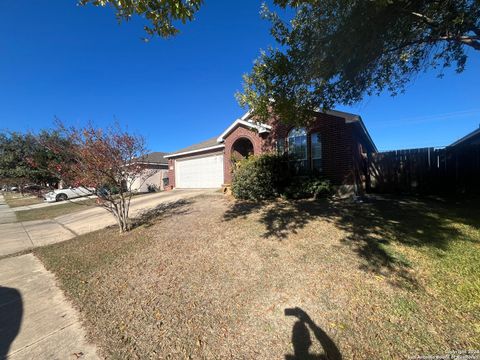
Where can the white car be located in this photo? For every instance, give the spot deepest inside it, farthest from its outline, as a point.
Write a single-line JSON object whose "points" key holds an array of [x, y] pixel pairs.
{"points": [[68, 193]]}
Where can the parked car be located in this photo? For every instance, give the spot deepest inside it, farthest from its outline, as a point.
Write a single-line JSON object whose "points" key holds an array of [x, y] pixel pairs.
{"points": [[68, 193], [107, 190], [33, 187]]}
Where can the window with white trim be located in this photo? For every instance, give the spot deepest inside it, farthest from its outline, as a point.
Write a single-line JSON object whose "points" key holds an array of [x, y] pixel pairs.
{"points": [[316, 151], [297, 149]]}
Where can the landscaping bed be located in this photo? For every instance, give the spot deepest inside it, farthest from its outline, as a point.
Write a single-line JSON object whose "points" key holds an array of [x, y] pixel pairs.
{"points": [[214, 278]]}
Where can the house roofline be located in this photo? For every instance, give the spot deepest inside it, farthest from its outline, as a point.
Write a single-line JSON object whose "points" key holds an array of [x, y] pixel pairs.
{"points": [[349, 117], [261, 128], [466, 137], [149, 163], [246, 115], [219, 146], [365, 131]]}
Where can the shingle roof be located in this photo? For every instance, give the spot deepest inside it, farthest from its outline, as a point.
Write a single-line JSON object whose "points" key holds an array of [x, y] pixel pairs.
{"points": [[203, 144], [155, 157], [215, 142], [467, 137]]}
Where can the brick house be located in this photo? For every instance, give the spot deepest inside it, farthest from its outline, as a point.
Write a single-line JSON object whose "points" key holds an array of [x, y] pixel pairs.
{"points": [[335, 146]]}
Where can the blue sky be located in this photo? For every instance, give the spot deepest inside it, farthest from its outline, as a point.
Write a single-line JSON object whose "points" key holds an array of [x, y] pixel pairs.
{"points": [[79, 64]]}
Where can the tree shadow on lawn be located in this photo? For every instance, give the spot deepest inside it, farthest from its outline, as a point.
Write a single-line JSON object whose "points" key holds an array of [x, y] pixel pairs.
{"points": [[280, 218], [161, 211], [372, 225]]}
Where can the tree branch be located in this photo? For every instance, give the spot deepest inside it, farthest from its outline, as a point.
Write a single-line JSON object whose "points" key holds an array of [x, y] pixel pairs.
{"points": [[426, 19], [472, 41]]}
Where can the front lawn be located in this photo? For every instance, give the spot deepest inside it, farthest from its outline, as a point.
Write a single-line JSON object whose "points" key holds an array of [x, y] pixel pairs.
{"points": [[15, 199], [384, 279], [51, 212]]}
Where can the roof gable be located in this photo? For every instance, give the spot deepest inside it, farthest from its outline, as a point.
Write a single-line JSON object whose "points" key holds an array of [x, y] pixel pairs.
{"points": [[261, 128], [245, 120]]}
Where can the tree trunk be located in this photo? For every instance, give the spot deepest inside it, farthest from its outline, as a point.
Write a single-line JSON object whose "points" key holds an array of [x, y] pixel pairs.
{"points": [[120, 210]]}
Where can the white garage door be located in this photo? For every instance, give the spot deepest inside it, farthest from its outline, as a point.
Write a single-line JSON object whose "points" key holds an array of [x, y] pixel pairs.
{"points": [[199, 173]]}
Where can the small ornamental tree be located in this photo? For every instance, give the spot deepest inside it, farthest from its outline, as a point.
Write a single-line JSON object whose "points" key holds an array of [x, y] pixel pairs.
{"points": [[109, 161]]}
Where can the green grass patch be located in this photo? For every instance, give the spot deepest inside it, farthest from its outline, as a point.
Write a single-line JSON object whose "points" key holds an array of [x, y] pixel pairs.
{"points": [[404, 306], [448, 257]]}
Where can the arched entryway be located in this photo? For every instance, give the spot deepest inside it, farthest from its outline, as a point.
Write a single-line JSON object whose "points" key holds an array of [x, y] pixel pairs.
{"points": [[241, 149]]}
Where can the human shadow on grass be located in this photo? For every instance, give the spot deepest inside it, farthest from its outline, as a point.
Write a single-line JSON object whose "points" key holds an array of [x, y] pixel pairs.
{"points": [[162, 211], [11, 313], [372, 225], [302, 341]]}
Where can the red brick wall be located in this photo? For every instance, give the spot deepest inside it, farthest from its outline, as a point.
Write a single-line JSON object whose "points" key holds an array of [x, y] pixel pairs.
{"points": [[171, 174], [337, 145], [340, 145], [240, 132]]}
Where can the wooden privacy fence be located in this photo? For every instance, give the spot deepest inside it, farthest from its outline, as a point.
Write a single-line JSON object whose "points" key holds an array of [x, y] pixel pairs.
{"points": [[451, 170]]}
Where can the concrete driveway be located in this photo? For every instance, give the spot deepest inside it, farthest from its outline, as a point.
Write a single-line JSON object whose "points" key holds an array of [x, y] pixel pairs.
{"points": [[36, 320], [15, 236]]}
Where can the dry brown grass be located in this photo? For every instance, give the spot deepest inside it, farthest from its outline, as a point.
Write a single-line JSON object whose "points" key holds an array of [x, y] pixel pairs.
{"points": [[215, 280], [14, 199], [51, 212]]}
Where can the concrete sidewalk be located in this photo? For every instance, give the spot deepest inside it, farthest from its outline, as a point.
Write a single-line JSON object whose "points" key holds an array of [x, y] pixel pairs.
{"points": [[7, 215], [36, 320], [15, 237], [49, 204]]}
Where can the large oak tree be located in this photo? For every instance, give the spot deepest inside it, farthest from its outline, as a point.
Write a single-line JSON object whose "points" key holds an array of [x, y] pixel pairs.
{"points": [[338, 51], [335, 51]]}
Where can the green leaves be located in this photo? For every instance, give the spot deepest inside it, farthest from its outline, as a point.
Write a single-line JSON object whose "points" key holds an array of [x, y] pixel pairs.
{"points": [[338, 51], [259, 177], [161, 14], [23, 159]]}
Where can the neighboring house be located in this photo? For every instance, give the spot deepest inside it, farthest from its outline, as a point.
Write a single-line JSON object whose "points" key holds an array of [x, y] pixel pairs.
{"points": [[335, 146], [155, 175], [472, 138], [462, 164]]}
